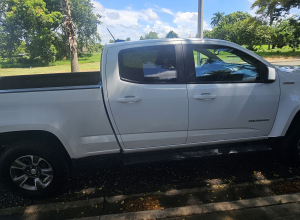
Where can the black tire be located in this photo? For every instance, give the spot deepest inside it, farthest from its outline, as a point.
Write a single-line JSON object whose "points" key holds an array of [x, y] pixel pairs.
{"points": [[49, 154], [286, 149]]}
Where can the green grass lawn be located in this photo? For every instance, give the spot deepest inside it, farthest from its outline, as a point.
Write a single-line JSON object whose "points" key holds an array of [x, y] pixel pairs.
{"points": [[49, 69], [283, 53], [89, 62]]}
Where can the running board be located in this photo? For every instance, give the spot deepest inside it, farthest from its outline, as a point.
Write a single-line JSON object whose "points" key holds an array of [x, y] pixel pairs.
{"points": [[169, 155]]}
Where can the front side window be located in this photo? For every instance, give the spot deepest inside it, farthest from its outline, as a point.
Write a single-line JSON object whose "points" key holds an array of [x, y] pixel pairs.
{"points": [[152, 64], [215, 63]]}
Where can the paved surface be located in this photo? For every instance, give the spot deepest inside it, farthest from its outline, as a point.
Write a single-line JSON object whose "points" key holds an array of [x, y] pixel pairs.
{"points": [[285, 62], [276, 212]]}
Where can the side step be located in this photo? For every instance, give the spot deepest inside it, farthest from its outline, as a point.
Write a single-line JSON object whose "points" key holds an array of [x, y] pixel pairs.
{"points": [[181, 154]]}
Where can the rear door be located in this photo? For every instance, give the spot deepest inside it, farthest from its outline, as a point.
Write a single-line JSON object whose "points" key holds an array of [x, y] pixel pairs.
{"points": [[228, 99], [147, 94]]}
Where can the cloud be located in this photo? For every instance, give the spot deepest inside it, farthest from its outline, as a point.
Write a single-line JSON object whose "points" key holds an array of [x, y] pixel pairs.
{"points": [[151, 15], [135, 23], [113, 15], [168, 11]]}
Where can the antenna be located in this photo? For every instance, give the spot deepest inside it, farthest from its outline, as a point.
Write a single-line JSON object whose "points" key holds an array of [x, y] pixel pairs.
{"points": [[116, 41], [111, 35]]}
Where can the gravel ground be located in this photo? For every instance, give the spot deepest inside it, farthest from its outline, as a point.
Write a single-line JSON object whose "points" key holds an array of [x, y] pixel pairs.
{"points": [[90, 179]]}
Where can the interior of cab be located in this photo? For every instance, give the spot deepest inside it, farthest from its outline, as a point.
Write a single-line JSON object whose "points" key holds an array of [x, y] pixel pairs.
{"points": [[224, 64]]}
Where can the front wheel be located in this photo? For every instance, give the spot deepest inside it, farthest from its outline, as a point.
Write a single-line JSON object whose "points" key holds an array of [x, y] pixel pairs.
{"points": [[287, 149], [33, 169]]}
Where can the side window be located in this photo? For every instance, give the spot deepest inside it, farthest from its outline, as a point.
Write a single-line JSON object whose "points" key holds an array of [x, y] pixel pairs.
{"points": [[152, 64], [213, 63]]}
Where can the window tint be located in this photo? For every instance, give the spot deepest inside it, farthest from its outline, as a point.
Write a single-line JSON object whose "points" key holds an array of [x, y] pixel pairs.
{"points": [[224, 64], [153, 64]]}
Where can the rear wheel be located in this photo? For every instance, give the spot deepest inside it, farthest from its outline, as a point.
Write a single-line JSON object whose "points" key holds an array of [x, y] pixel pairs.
{"points": [[33, 169]]}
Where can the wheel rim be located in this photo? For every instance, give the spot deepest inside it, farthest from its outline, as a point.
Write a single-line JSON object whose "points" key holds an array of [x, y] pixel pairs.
{"points": [[31, 172]]}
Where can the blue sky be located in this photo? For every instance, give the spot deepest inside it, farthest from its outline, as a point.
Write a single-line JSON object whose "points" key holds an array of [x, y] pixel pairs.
{"points": [[134, 18]]}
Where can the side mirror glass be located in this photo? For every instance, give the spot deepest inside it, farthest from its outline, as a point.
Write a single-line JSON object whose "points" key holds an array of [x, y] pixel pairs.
{"points": [[271, 77]]}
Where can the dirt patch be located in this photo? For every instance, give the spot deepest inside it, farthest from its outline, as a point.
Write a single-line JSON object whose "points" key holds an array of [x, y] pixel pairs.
{"points": [[289, 187], [142, 204]]}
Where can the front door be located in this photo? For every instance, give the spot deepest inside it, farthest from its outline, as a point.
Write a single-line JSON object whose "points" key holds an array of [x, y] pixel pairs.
{"points": [[228, 99], [147, 94]]}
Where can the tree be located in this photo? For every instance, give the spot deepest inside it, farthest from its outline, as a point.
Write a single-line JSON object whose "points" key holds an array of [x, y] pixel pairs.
{"points": [[295, 25], [172, 34], [70, 30], [128, 39], [240, 28], [86, 23], [40, 24], [266, 8], [150, 35], [282, 33], [111, 41], [285, 7], [32, 22], [273, 9], [216, 19]]}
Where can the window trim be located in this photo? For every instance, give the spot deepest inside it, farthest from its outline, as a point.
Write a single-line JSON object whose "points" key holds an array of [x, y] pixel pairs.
{"points": [[179, 66], [190, 66]]}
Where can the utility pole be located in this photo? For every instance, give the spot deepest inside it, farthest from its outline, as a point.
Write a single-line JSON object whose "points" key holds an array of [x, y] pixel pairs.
{"points": [[200, 28], [200, 18]]}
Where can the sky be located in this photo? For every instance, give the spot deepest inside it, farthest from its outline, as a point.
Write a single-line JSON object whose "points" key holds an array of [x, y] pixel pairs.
{"points": [[135, 18]]}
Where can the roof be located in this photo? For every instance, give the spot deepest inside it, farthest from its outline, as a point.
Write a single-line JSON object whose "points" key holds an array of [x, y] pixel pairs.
{"points": [[162, 40]]}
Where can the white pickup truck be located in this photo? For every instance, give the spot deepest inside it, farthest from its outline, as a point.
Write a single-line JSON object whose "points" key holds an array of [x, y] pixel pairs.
{"points": [[149, 95]]}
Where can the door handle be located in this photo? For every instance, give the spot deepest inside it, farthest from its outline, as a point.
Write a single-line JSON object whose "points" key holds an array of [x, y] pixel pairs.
{"points": [[129, 99], [205, 96]]}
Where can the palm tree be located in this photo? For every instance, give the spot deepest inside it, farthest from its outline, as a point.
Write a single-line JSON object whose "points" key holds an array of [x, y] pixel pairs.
{"points": [[216, 20], [266, 8], [71, 34]]}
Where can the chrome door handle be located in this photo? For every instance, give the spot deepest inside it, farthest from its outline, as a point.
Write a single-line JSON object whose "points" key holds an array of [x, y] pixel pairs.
{"points": [[205, 96], [129, 99]]}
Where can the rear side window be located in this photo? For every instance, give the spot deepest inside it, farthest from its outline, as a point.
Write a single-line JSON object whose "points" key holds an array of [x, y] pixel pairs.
{"points": [[152, 64]]}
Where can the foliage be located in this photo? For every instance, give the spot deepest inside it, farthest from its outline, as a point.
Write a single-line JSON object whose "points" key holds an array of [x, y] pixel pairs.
{"points": [[266, 9], [216, 19], [295, 26], [111, 41], [172, 34], [150, 35], [30, 20], [274, 9], [281, 33], [86, 23], [38, 23], [128, 39], [240, 28]]}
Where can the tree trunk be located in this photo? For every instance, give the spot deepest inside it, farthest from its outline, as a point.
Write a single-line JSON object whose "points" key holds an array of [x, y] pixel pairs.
{"points": [[70, 35], [271, 22]]}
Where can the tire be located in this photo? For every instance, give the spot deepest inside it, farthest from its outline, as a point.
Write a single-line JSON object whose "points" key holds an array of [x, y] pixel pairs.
{"points": [[33, 169], [287, 149]]}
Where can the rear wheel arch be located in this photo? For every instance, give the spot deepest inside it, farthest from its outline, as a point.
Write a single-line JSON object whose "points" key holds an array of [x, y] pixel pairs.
{"points": [[8, 138]]}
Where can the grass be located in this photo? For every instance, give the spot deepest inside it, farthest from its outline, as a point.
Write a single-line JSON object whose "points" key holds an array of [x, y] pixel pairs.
{"points": [[49, 69], [82, 58], [88, 62], [283, 53]]}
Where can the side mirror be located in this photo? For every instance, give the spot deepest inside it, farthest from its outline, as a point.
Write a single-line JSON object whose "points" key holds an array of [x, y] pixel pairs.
{"points": [[271, 76]]}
